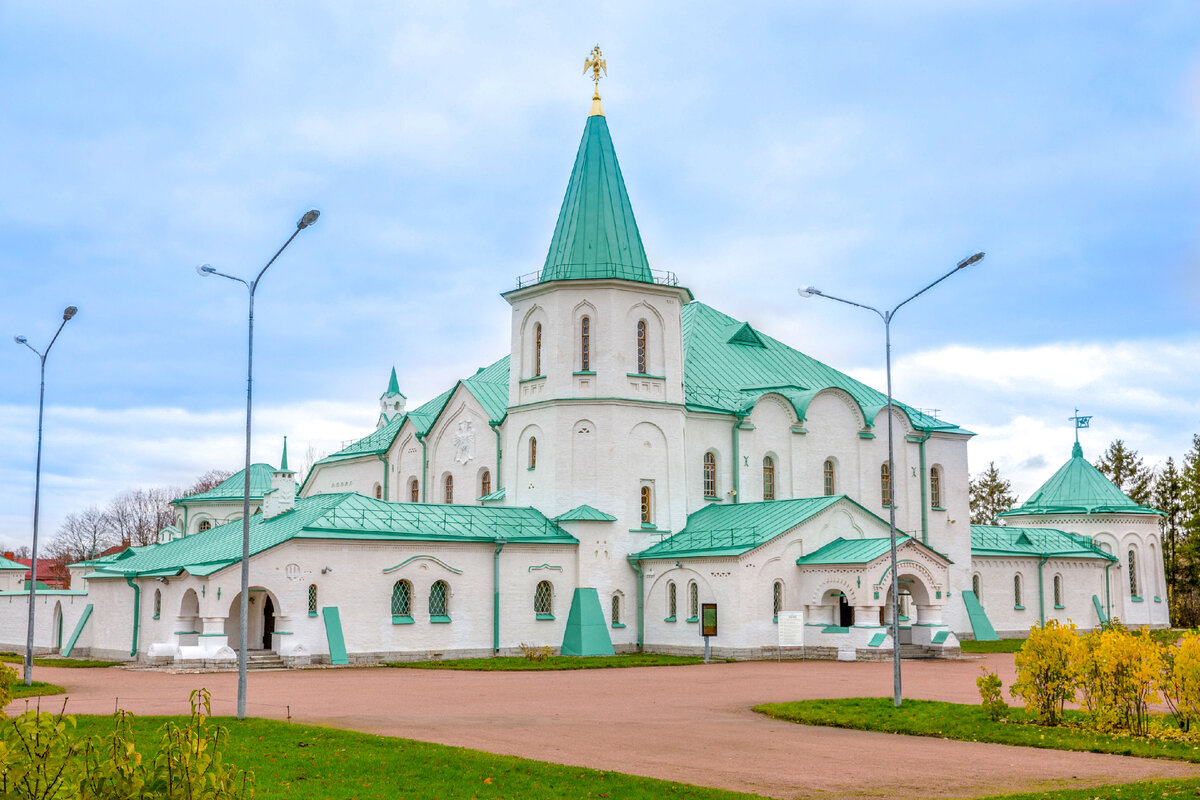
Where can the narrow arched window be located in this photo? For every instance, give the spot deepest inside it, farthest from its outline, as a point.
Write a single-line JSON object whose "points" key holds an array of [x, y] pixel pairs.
{"points": [[312, 599], [402, 599], [485, 483], [975, 584], [1133, 578], [935, 487], [693, 601], [1058, 594], [1017, 591], [585, 344], [532, 452], [768, 478], [439, 602], [543, 599], [157, 603], [205, 525], [885, 484], [671, 600], [641, 347], [646, 509], [776, 599], [710, 475], [616, 609], [830, 484], [537, 349], [414, 493], [378, 492], [449, 489]]}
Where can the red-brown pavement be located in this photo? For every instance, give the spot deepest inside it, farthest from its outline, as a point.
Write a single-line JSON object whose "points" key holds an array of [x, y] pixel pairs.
{"points": [[691, 724]]}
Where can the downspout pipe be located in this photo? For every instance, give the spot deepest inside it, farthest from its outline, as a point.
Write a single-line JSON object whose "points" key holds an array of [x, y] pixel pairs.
{"points": [[383, 457], [137, 608], [424, 468], [499, 481], [496, 594], [1108, 591], [1042, 591], [737, 472], [641, 612], [924, 490]]}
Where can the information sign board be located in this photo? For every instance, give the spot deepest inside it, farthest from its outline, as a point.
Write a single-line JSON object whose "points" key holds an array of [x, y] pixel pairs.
{"points": [[791, 628], [708, 619]]}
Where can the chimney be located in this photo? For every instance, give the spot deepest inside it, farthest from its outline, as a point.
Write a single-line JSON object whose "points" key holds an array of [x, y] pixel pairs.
{"points": [[282, 495]]}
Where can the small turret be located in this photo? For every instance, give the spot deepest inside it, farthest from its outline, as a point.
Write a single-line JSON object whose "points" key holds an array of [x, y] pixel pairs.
{"points": [[391, 402], [282, 495]]}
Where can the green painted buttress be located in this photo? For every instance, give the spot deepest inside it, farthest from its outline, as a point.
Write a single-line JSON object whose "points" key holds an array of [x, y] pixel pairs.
{"points": [[587, 630], [981, 626], [83, 618], [333, 635]]}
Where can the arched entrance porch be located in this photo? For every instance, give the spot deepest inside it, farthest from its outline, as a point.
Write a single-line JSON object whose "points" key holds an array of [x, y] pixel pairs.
{"points": [[920, 605], [262, 613]]}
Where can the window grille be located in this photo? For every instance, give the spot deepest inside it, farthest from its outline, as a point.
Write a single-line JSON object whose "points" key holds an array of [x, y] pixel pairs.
{"points": [[710, 475], [885, 484], [438, 595], [312, 599], [975, 584], [378, 492], [1133, 581], [830, 484], [935, 487], [671, 599], [449, 493], [641, 346], [1058, 597], [205, 525], [768, 478], [616, 609], [585, 344], [543, 598], [157, 603], [485, 484], [532, 452], [646, 505], [693, 601], [777, 599], [1017, 590], [402, 599], [537, 349], [414, 494]]}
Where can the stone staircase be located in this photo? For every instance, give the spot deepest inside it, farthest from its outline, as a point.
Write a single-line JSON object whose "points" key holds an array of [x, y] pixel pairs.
{"points": [[914, 651], [264, 660]]}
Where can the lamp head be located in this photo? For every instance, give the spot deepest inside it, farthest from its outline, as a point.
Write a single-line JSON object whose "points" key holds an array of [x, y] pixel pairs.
{"points": [[20, 340], [808, 291], [206, 269], [966, 262], [309, 218], [69, 312]]}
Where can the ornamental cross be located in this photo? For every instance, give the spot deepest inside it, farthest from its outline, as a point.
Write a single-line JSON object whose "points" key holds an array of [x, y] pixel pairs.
{"points": [[1080, 422], [595, 63]]}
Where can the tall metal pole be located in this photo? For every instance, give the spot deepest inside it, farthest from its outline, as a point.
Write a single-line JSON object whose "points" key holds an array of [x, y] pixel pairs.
{"points": [[37, 491], [243, 612], [886, 316]]}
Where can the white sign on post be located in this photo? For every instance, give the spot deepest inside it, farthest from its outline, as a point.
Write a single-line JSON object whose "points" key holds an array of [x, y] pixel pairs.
{"points": [[791, 629]]}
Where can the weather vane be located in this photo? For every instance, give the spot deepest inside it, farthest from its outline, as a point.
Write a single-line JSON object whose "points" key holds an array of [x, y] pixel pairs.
{"points": [[595, 63], [1080, 422]]}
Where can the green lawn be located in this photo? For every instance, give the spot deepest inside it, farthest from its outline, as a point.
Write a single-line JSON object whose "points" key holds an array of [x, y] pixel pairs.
{"points": [[998, 646], [967, 723], [70, 663], [37, 689], [1146, 790], [516, 663]]}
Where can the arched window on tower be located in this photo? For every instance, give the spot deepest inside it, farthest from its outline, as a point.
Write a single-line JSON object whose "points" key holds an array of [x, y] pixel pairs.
{"points": [[647, 510], [642, 365], [768, 478], [414, 492], [532, 452], [830, 478], [710, 475], [537, 349], [585, 344], [1133, 576], [448, 494], [935, 487], [885, 484], [485, 483], [378, 492], [1058, 591]]}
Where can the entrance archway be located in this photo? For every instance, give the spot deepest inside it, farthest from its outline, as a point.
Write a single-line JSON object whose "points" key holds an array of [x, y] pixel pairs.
{"points": [[260, 619]]}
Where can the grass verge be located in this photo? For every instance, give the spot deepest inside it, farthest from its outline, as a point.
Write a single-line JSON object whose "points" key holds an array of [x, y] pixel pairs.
{"points": [[968, 723], [998, 646], [36, 689], [303, 761], [1144, 790], [70, 663], [520, 663]]}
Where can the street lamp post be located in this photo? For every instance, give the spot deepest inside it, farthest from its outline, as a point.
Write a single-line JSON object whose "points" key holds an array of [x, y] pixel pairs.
{"points": [[887, 316], [204, 269], [69, 312]]}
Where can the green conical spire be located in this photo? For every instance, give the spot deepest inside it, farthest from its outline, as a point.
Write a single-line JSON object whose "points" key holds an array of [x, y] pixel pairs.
{"points": [[393, 386], [283, 459], [1078, 488], [596, 235]]}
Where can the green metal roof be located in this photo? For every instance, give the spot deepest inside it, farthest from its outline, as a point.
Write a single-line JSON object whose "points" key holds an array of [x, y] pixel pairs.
{"points": [[345, 515], [232, 487], [585, 513], [393, 389], [727, 366], [596, 235], [852, 551], [730, 530], [994, 540], [494, 497], [1078, 488], [9, 564]]}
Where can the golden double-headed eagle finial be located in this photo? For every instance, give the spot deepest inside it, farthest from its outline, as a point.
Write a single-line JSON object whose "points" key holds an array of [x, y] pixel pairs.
{"points": [[595, 62]]}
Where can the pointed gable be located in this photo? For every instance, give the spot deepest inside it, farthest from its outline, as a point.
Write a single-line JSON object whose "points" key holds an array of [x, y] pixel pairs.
{"points": [[596, 235], [1078, 488]]}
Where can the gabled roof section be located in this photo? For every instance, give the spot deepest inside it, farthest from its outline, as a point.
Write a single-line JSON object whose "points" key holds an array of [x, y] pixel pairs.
{"points": [[372, 444], [232, 487], [494, 497], [1078, 488], [338, 516], [994, 540], [730, 530], [489, 386], [596, 235], [852, 551], [722, 374], [585, 513], [13, 565]]}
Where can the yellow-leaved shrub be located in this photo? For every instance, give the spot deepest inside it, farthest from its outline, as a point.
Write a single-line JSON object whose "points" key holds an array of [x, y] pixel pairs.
{"points": [[1047, 665]]}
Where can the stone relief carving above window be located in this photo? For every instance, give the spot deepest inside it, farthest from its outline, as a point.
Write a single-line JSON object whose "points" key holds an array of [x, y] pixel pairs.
{"points": [[464, 442]]}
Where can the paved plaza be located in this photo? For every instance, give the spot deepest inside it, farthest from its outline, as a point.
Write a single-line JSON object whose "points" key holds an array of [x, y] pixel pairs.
{"points": [[691, 724]]}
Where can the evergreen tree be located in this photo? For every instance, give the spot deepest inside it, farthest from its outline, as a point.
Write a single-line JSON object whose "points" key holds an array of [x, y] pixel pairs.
{"points": [[1124, 468], [1168, 498], [990, 494], [1186, 611]]}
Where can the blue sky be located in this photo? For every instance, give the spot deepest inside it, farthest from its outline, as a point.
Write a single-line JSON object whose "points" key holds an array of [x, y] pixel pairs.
{"points": [[859, 147]]}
